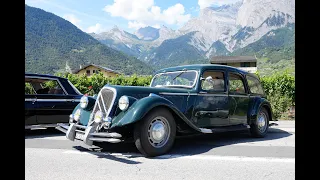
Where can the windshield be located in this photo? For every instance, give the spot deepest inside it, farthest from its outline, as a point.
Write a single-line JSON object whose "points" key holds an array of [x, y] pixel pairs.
{"points": [[175, 79]]}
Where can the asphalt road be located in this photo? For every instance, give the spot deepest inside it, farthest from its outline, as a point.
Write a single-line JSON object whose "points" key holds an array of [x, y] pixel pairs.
{"points": [[236, 155]]}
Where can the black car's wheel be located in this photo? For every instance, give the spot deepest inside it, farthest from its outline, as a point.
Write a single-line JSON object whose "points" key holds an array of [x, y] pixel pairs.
{"points": [[154, 135], [260, 127]]}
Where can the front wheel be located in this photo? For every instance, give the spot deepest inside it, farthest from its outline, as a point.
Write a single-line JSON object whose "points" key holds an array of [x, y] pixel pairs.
{"points": [[260, 127], [154, 135]]}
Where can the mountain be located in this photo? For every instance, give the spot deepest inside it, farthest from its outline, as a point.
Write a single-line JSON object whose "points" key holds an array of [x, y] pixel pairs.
{"points": [[122, 41], [53, 44], [258, 17], [213, 24], [147, 33], [225, 30], [176, 51], [274, 46]]}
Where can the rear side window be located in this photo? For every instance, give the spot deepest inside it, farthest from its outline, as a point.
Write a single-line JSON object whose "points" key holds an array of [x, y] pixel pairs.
{"points": [[255, 85], [236, 84]]}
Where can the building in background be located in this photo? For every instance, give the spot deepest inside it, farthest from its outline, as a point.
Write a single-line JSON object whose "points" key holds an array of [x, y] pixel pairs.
{"points": [[246, 63], [91, 69]]}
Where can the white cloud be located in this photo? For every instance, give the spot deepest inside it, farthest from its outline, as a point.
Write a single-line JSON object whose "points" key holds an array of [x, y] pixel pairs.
{"points": [[144, 12], [97, 28], [136, 25], [73, 19], [156, 26], [207, 3]]}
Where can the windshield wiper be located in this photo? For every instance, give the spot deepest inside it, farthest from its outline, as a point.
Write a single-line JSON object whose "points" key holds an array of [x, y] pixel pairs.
{"points": [[183, 71]]}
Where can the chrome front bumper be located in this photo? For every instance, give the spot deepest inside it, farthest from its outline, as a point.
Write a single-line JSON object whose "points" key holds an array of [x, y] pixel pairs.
{"points": [[88, 134]]}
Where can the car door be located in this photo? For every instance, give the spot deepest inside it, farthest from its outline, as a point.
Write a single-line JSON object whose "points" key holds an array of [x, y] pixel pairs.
{"points": [[238, 99], [30, 103], [211, 105], [55, 105]]}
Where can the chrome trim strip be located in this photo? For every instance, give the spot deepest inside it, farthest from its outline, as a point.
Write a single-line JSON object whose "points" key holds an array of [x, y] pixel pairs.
{"points": [[54, 100], [97, 101], [165, 93], [39, 126], [104, 106], [200, 94], [194, 83], [238, 95], [204, 94], [39, 77], [30, 99], [112, 102]]}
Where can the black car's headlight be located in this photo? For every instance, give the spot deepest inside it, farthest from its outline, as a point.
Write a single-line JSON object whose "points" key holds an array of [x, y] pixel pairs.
{"points": [[123, 103]]}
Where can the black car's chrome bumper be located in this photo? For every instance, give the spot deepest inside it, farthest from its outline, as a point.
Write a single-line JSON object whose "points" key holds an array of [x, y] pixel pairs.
{"points": [[88, 134]]}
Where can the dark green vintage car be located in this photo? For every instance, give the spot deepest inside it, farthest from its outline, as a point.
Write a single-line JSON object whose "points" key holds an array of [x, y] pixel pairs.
{"points": [[181, 100]]}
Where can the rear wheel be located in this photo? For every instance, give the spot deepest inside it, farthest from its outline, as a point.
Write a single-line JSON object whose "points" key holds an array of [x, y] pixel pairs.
{"points": [[261, 126], [154, 135]]}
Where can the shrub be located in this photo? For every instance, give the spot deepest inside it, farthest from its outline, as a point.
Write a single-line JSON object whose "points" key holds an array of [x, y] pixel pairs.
{"points": [[279, 87], [280, 91]]}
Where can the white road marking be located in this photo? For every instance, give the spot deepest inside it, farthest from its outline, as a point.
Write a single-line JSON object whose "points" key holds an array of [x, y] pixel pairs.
{"points": [[196, 157]]}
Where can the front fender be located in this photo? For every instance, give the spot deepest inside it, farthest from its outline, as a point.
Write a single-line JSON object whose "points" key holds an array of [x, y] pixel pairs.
{"points": [[141, 107], [257, 103], [85, 114]]}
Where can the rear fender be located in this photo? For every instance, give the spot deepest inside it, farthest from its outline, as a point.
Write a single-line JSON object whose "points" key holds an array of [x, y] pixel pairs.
{"points": [[255, 107]]}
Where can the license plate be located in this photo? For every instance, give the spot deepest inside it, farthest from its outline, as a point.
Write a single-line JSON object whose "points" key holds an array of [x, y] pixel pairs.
{"points": [[79, 136]]}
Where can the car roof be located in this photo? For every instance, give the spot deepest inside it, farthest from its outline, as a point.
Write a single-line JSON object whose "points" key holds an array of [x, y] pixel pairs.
{"points": [[43, 75], [201, 67]]}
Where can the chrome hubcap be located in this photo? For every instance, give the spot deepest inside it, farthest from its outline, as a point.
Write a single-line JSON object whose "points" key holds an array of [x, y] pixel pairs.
{"points": [[262, 122], [158, 132]]}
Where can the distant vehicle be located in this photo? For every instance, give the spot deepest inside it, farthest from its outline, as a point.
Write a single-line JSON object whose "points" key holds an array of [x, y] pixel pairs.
{"points": [[180, 100], [48, 100]]}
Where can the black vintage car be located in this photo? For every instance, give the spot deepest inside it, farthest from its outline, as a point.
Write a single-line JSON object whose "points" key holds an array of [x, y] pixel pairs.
{"points": [[180, 100], [48, 100]]}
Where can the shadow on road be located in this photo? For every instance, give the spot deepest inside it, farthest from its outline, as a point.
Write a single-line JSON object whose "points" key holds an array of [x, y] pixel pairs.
{"points": [[184, 146], [188, 145], [49, 132]]}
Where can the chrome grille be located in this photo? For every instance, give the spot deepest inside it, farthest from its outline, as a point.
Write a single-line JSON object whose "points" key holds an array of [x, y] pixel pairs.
{"points": [[104, 102]]}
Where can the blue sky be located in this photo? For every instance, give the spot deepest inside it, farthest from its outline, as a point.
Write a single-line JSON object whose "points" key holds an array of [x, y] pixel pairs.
{"points": [[101, 15]]}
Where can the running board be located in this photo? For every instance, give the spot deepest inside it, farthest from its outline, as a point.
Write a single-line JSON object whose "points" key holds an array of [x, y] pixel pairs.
{"points": [[225, 129]]}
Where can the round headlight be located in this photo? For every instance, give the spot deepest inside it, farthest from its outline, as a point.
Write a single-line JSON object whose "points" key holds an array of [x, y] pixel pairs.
{"points": [[77, 115], [84, 102], [123, 103], [98, 117]]}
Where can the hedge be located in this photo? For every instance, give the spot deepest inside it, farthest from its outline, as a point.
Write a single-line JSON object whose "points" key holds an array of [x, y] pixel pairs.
{"points": [[279, 87]]}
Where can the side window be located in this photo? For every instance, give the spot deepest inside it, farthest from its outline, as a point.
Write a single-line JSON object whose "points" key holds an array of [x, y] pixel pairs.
{"points": [[255, 85], [28, 89], [217, 82], [236, 84], [51, 87]]}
